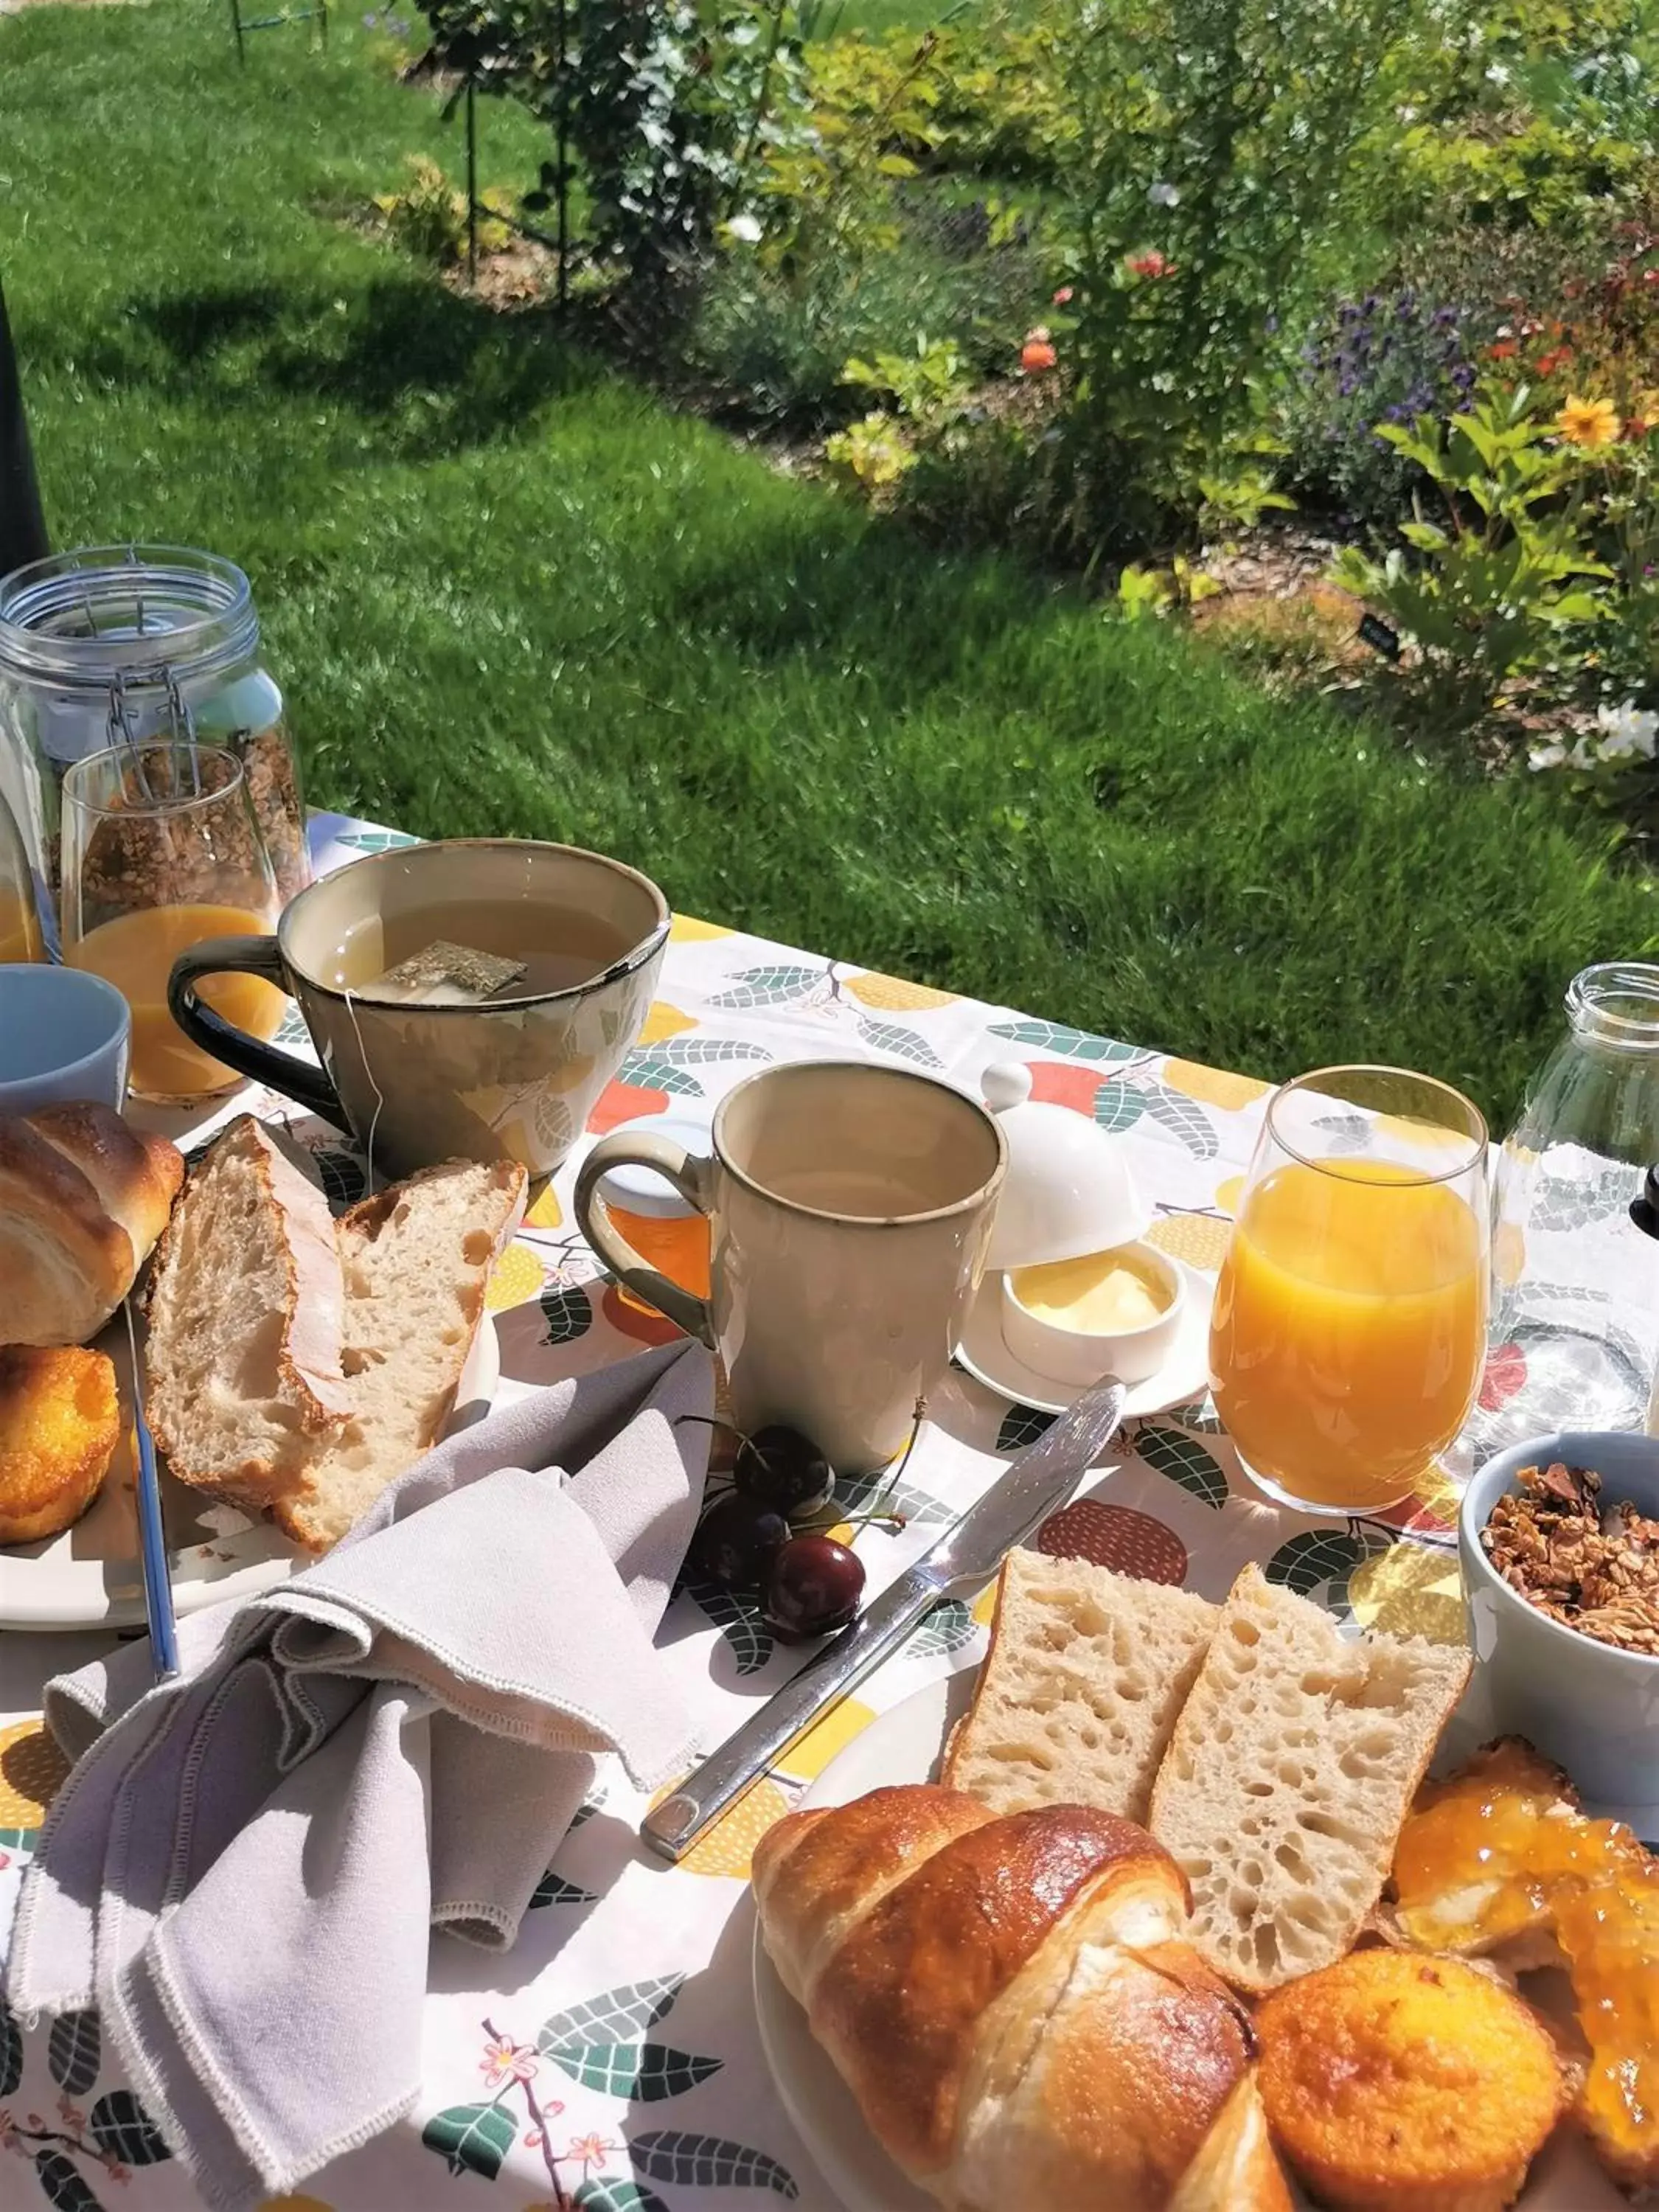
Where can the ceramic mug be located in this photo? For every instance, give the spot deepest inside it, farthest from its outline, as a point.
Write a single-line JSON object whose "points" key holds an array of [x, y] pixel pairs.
{"points": [[850, 1212], [64, 1034], [513, 1079]]}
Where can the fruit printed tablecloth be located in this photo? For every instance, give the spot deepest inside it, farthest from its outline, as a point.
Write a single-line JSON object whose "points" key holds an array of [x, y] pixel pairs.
{"points": [[610, 2061]]}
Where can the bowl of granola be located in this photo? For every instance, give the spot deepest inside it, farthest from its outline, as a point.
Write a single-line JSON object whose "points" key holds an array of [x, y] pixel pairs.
{"points": [[1559, 1539]]}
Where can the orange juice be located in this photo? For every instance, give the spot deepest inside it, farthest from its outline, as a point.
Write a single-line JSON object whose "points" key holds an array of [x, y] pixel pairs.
{"points": [[1349, 1330], [136, 952], [20, 929]]}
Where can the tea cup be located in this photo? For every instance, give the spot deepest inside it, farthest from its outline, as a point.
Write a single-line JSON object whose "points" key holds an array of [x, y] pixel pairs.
{"points": [[64, 1034]]}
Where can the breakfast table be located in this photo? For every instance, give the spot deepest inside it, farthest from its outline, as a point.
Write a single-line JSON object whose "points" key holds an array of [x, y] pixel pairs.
{"points": [[610, 2060]]}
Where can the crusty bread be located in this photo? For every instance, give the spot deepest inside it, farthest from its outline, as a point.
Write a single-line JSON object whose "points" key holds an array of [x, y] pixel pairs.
{"points": [[246, 1321], [60, 1421], [1080, 1690], [417, 1260], [1290, 1772], [83, 1199], [1011, 2000]]}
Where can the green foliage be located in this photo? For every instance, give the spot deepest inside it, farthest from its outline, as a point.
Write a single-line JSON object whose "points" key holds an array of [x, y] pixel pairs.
{"points": [[872, 453], [1507, 569], [427, 218]]}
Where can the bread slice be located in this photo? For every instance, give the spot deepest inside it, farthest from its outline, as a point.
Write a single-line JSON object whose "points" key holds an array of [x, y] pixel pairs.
{"points": [[247, 1313], [1086, 1674], [1291, 1770], [417, 1260]]}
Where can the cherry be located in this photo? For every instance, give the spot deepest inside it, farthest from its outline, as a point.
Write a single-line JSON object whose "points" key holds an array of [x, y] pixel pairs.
{"points": [[812, 1587], [783, 1468], [736, 1540]]}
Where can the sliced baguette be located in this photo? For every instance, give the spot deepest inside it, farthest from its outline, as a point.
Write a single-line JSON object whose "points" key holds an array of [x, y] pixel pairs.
{"points": [[1085, 1676], [1291, 1768], [243, 1371], [416, 1259]]}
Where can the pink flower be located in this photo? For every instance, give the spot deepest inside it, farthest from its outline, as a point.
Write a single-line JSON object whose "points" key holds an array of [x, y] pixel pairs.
{"points": [[1064, 297], [72, 2115], [1036, 355], [504, 2059], [533, 2139], [120, 2174], [8, 2129], [591, 2150], [1150, 263]]}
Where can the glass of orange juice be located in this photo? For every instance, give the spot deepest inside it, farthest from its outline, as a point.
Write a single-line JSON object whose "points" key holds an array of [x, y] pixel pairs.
{"points": [[161, 851], [1350, 1323]]}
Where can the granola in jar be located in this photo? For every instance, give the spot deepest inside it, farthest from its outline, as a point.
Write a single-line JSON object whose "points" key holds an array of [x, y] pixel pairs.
{"points": [[1591, 1565]]}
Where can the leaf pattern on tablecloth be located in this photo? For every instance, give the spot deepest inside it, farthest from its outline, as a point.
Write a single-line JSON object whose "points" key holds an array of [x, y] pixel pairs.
{"points": [[709, 2162], [1344, 1133], [905, 1044], [376, 840], [1059, 1037], [553, 1889], [1023, 1425], [857, 1493], [702, 1051], [647, 1070], [11, 2049], [1118, 1108], [472, 2138], [292, 1029], [342, 1176], [1184, 1460], [644, 2073], [122, 2129], [949, 1627], [74, 2050], [767, 986], [1323, 1559], [62, 2184], [1183, 1119], [1199, 1414], [568, 1310], [605, 2193], [618, 2015], [1564, 1206], [738, 1621]]}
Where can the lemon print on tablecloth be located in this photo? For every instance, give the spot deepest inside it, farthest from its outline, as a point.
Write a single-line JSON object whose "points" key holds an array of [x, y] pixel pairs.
{"points": [[892, 994], [32, 1770], [664, 1022], [1200, 1239], [1409, 1590], [805, 1760], [686, 929], [1228, 1194], [518, 1276], [984, 1606], [547, 1212], [729, 1845], [1213, 1087], [1437, 1494], [1508, 1253]]}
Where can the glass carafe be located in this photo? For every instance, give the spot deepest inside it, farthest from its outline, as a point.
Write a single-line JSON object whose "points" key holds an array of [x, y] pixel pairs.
{"points": [[1576, 1283], [21, 934]]}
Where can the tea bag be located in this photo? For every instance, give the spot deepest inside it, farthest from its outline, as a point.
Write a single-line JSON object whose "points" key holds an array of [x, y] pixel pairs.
{"points": [[444, 974]]}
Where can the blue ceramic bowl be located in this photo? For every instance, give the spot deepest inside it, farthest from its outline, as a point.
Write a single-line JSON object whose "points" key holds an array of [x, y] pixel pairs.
{"points": [[64, 1034], [1593, 1710]]}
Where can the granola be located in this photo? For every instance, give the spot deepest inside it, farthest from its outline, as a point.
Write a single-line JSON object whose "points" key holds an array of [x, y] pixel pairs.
{"points": [[1592, 1566]]}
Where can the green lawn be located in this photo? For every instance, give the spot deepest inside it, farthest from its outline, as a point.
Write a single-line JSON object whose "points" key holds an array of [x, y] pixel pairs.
{"points": [[506, 590]]}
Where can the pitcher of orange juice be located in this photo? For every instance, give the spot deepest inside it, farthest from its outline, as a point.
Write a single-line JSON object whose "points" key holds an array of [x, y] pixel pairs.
{"points": [[1350, 1324], [161, 850], [20, 938]]}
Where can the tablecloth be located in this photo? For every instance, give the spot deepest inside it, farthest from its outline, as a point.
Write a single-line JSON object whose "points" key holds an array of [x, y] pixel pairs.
{"points": [[611, 2061]]}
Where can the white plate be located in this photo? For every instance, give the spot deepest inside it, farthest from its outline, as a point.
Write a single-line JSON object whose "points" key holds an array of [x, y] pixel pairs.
{"points": [[1184, 1374], [89, 1577], [904, 1746]]}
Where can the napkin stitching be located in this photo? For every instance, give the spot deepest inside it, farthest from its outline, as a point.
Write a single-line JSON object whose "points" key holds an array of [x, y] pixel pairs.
{"points": [[445, 1916]]}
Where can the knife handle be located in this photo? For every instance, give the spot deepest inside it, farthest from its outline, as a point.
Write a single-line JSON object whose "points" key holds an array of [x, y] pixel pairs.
{"points": [[672, 1827]]}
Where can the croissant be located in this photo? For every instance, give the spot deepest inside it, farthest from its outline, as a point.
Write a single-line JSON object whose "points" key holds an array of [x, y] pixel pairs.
{"points": [[83, 1199], [1014, 2005]]}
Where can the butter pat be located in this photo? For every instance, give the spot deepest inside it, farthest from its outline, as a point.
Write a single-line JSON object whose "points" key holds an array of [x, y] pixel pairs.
{"points": [[1102, 1294]]}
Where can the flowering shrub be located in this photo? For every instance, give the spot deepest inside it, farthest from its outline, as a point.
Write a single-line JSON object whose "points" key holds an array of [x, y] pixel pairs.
{"points": [[429, 217], [1623, 735]]}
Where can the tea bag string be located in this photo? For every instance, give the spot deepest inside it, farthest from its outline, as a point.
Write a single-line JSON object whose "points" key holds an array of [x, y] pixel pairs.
{"points": [[380, 1098]]}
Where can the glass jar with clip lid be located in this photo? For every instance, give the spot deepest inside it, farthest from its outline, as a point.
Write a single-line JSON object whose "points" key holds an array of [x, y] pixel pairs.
{"points": [[121, 645]]}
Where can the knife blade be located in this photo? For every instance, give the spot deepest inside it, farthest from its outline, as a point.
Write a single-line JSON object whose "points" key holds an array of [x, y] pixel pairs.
{"points": [[965, 1556]]}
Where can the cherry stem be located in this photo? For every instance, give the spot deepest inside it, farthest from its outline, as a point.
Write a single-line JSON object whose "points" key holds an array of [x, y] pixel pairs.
{"points": [[881, 1511]]}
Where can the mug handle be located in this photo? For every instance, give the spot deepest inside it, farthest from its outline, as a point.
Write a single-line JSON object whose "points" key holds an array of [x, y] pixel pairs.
{"points": [[281, 1070], [690, 1177]]}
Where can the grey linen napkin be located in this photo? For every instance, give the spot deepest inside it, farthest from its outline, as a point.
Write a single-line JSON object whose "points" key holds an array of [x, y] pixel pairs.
{"points": [[242, 1870]]}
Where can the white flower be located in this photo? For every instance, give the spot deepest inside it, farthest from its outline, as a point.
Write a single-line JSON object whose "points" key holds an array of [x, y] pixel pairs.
{"points": [[1163, 195], [746, 228], [1406, 114], [1628, 733], [1496, 74], [1553, 755]]}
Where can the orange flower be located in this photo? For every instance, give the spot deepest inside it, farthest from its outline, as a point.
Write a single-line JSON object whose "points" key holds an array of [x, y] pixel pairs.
{"points": [[1549, 362], [1588, 422], [1505, 350], [1036, 355], [1150, 263], [1063, 297]]}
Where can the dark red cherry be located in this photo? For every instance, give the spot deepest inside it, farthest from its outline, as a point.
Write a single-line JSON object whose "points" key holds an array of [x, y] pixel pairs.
{"points": [[785, 1469], [736, 1538], [812, 1587]]}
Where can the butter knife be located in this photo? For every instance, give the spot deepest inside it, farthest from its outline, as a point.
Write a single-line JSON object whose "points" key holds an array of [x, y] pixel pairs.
{"points": [[964, 1559]]}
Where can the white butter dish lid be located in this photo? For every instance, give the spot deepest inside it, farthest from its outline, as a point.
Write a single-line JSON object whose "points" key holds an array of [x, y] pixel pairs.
{"points": [[1068, 1190]]}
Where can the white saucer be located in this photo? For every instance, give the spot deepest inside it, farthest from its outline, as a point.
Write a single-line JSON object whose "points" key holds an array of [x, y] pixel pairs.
{"points": [[1184, 1374]]}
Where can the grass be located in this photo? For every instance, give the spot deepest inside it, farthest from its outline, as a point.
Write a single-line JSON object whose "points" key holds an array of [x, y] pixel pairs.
{"points": [[506, 590]]}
